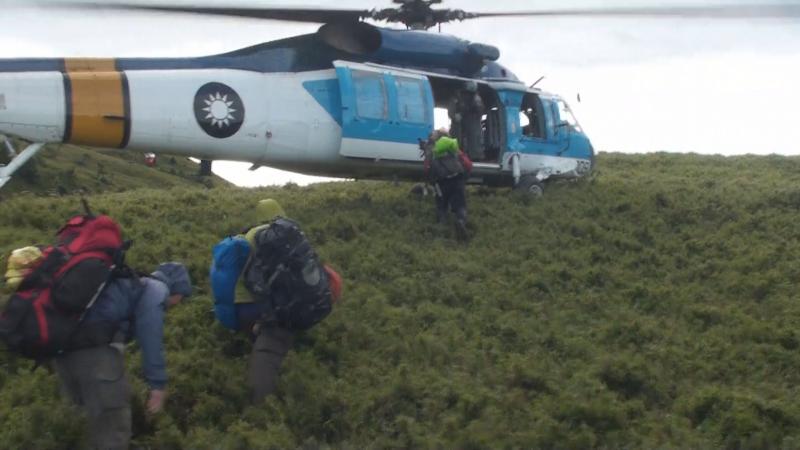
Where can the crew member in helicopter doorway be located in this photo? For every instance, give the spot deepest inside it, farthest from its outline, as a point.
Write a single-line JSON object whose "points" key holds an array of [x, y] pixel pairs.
{"points": [[466, 110]]}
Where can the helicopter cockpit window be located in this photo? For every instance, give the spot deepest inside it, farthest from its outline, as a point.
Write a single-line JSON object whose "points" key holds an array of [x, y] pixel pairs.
{"points": [[411, 100], [565, 115], [530, 116], [370, 95]]}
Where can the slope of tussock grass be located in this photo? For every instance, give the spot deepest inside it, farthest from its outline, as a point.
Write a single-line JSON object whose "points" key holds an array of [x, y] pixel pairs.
{"points": [[651, 305], [68, 169]]}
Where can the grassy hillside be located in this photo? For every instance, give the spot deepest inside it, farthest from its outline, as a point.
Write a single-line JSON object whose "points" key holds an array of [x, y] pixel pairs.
{"points": [[653, 305], [64, 169]]}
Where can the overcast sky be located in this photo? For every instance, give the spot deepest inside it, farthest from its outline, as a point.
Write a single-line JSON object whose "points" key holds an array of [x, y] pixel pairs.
{"points": [[704, 86]]}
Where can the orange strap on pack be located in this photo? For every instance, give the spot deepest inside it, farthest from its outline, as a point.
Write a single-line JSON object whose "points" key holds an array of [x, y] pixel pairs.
{"points": [[335, 283]]}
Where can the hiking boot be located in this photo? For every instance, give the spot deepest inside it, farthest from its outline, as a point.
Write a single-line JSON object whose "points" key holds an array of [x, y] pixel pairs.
{"points": [[461, 230]]}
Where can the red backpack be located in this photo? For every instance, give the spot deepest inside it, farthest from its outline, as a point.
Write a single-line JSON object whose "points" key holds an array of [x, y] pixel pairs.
{"points": [[42, 316]]}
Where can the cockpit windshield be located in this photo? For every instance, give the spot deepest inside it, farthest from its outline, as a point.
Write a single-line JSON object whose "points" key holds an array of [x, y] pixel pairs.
{"points": [[566, 115]]}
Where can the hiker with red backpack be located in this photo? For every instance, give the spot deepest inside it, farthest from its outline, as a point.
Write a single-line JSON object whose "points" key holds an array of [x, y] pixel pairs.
{"points": [[94, 378], [448, 168], [68, 305], [290, 290]]}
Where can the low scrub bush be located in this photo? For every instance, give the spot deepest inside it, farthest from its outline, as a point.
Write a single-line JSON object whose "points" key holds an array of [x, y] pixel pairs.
{"points": [[651, 306]]}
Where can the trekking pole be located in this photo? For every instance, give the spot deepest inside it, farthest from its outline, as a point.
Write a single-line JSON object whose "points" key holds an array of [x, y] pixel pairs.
{"points": [[86, 207]]}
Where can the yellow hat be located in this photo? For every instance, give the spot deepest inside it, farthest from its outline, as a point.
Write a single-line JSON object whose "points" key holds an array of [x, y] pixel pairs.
{"points": [[20, 261], [23, 258], [12, 283]]}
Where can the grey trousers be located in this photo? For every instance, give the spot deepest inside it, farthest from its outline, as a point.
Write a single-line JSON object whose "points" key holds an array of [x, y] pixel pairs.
{"points": [[94, 379], [269, 349]]}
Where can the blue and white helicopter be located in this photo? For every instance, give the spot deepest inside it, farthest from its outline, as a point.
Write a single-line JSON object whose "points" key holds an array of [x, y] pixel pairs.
{"points": [[352, 100]]}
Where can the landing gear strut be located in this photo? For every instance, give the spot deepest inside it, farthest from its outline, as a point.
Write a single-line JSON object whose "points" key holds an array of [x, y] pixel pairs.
{"points": [[7, 171], [205, 167]]}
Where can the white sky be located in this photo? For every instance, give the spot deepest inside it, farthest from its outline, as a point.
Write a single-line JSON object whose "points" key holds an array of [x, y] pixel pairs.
{"points": [[724, 86]]}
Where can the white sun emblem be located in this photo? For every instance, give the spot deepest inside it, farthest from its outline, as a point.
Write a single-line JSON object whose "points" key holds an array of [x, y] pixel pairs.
{"points": [[219, 110]]}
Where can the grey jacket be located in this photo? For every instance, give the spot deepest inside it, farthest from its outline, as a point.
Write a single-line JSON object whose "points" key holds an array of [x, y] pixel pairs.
{"points": [[137, 308]]}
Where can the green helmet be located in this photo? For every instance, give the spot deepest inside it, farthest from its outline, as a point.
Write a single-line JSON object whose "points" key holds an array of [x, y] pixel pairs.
{"points": [[445, 145], [268, 209]]}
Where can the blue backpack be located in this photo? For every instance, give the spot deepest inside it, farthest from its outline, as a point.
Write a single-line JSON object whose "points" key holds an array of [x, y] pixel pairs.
{"points": [[229, 258]]}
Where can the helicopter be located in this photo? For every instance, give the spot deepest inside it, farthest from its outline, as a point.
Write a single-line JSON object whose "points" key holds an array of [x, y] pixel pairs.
{"points": [[352, 100]]}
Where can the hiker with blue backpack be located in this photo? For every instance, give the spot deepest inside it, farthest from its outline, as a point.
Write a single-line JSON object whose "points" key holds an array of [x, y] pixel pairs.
{"points": [[288, 290]]}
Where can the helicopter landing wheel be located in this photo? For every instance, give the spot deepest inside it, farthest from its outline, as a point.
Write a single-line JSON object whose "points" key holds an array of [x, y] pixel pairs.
{"points": [[420, 190], [529, 185]]}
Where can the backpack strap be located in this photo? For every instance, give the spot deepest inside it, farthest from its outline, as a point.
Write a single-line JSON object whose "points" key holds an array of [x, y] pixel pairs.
{"points": [[139, 292], [280, 268], [117, 271], [93, 300]]}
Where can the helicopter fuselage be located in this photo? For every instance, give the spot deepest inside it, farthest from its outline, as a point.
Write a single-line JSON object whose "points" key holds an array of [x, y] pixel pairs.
{"points": [[343, 118]]}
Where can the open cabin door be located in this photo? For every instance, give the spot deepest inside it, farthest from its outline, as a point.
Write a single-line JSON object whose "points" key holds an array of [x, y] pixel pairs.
{"points": [[384, 112]]}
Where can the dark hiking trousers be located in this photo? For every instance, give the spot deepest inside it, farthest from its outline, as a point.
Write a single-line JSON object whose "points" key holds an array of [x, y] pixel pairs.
{"points": [[269, 349], [94, 379], [452, 196]]}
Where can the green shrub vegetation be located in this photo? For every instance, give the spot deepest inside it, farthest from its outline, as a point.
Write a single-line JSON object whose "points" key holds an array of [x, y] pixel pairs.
{"points": [[64, 169], [651, 305]]}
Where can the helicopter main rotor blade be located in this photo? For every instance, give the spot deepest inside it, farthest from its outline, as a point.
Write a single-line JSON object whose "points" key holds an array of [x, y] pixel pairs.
{"points": [[288, 14], [766, 11], [418, 14]]}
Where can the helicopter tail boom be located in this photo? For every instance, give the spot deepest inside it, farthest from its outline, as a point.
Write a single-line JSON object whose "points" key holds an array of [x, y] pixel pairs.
{"points": [[87, 102]]}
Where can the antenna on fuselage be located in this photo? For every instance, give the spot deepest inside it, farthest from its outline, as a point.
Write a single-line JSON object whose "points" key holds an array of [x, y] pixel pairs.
{"points": [[537, 81]]}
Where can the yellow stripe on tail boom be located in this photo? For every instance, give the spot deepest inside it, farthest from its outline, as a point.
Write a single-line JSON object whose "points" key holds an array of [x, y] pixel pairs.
{"points": [[98, 104]]}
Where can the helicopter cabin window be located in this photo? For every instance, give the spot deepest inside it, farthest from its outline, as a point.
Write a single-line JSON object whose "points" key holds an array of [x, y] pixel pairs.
{"points": [[411, 100], [370, 95], [524, 122], [531, 116]]}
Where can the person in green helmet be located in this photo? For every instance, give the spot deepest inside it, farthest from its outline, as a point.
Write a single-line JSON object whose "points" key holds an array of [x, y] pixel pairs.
{"points": [[448, 171], [273, 340], [288, 290]]}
